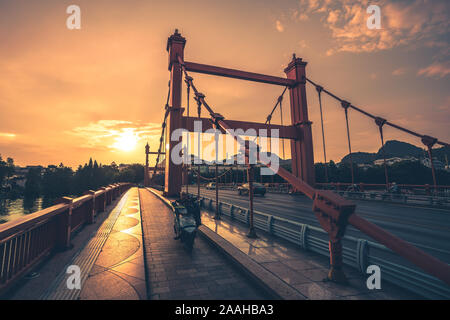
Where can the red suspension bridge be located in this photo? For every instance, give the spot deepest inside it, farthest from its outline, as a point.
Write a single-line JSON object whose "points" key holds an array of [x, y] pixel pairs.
{"points": [[340, 228], [333, 212]]}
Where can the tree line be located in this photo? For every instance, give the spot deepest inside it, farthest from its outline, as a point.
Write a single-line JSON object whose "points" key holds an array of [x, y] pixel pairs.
{"points": [[404, 172], [57, 181]]}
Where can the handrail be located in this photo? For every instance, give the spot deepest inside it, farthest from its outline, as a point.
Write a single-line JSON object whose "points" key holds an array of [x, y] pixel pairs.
{"points": [[23, 223], [28, 240]]}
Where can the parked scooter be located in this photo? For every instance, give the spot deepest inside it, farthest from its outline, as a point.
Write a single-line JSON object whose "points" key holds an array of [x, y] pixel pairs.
{"points": [[186, 220]]}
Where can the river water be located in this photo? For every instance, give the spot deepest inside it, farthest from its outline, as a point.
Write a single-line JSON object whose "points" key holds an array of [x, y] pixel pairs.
{"points": [[16, 208]]}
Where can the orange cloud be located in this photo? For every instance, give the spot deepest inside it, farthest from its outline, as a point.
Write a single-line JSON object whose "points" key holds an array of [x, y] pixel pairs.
{"points": [[435, 70], [399, 72], [402, 23], [279, 26]]}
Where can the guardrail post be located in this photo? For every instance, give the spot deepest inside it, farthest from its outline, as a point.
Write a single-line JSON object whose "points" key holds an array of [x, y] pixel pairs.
{"points": [[304, 236], [91, 207], [114, 191], [64, 225], [362, 252], [103, 200], [269, 224], [109, 194], [232, 212]]}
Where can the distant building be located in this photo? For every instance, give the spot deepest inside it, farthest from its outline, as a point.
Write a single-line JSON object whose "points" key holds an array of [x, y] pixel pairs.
{"points": [[364, 166], [438, 165], [391, 161]]}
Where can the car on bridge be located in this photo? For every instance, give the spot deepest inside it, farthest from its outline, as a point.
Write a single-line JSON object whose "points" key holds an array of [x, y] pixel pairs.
{"points": [[258, 188], [211, 186]]}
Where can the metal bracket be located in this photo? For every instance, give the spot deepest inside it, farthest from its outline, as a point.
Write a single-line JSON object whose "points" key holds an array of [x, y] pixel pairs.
{"points": [[333, 212]]}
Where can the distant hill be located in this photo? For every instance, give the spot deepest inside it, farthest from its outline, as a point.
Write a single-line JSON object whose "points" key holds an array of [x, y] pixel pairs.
{"points": [[394, 148], [360, 157]]}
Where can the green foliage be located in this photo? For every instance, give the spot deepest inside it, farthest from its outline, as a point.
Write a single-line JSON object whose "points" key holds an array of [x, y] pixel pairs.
{"points": [[405, 172], [6, 169], [33, 183], [57, 181]]}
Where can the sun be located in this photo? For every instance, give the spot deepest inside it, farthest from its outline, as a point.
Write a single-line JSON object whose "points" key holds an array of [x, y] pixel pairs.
{"points": [[126, 141]]}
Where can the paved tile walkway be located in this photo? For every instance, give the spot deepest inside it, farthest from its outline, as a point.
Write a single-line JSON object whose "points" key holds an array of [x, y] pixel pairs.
{"points": [[119, 271], [173, 273], [302, 270]]}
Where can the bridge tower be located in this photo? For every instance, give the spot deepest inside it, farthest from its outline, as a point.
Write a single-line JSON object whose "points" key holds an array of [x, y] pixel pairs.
{"points": [[301, 149], [173, 172]]}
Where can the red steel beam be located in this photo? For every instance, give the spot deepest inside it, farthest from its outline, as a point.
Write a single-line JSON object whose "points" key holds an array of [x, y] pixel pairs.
{"points": [[237, 74], [285, 132]]}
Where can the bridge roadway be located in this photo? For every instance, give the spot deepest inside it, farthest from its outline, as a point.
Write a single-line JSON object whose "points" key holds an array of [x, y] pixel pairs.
{"points": [[427, 228]]}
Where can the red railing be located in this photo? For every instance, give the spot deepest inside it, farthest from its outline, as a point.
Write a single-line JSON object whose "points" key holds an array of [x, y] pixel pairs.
{"points": [[27, 241]]}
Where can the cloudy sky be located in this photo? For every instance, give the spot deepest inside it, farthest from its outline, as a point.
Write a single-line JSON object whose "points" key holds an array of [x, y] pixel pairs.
{"points": [[67, 95]]}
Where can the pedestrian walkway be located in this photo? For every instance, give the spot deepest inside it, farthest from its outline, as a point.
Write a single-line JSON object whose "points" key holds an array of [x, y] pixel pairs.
{"points": [[173, 273], [119, 270], [301, 270]]}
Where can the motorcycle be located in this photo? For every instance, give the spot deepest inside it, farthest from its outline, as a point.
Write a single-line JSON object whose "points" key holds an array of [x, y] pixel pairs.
{"points": [[186, 220]]}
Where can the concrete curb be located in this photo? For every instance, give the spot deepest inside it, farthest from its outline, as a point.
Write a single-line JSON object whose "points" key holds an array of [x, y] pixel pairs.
{"points": [[267, 281]]}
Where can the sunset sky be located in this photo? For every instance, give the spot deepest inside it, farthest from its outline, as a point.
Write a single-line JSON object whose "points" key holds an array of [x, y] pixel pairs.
{"points": [[67, 95]]}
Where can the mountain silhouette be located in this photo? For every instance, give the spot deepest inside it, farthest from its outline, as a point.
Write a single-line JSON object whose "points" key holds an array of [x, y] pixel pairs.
{"points": [[395, 148]]}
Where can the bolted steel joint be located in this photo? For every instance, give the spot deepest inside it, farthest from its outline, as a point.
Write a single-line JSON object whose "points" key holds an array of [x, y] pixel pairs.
{"points": [[217, 117], [319, 89], [380, 121], [345, 104], [429, 141], [199, 95]]}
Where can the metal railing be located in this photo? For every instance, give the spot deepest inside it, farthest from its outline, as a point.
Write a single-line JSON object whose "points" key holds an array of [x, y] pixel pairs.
{"points": [[433, 201], [441, 200], [28, 240], [357, 253]]}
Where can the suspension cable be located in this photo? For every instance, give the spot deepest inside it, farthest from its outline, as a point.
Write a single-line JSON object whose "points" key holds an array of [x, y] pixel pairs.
{"points": [[428, 141], [269, 119], [380, 122], [187, 151], [319, 92], [375, 117], [346, 105], [281, 117], [163, 127]]}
